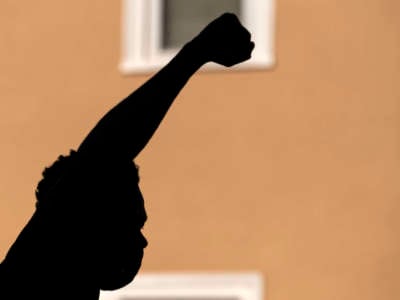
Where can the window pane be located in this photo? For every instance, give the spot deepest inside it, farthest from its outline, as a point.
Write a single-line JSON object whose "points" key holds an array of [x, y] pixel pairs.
{"points": [[183, 19]]}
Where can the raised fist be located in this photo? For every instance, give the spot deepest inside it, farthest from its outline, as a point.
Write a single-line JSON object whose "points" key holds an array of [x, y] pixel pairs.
{"points": [[224, 41]]}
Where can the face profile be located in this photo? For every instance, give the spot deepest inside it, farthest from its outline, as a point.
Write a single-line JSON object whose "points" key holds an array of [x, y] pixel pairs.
{"points": [[121, 217], [123, 257], [109, 211]]}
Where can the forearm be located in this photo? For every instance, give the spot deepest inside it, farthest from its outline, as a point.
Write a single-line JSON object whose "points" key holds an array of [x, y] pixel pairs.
{"points": [[126, 129]]}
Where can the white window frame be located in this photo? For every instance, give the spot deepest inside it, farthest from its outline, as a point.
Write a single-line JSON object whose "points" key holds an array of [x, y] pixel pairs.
{"points": [[141, 50], [166, 286]]}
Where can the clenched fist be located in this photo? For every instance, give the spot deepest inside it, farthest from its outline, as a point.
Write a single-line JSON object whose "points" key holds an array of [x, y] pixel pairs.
{"points": [[224, 41]]}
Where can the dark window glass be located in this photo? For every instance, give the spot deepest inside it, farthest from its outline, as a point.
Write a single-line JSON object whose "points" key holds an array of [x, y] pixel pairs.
{"points": [[182, 19]]}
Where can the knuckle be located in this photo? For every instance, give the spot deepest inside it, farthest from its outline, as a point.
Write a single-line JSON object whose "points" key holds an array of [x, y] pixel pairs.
{"points": [[230, 17]]}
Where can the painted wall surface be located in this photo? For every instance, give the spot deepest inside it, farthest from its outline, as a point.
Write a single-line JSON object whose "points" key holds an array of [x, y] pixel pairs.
{"points": [[292, 172]]}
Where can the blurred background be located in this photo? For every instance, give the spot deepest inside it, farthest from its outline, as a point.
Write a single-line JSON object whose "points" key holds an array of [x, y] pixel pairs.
{"points": [[290, 171]]}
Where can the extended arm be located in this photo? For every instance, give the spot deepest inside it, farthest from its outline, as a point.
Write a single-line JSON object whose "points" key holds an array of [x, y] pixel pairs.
{"points": [[126, 129]]}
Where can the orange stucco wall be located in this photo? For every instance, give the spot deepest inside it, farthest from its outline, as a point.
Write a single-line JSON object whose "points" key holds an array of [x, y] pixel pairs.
{"points": [[292, 172]]}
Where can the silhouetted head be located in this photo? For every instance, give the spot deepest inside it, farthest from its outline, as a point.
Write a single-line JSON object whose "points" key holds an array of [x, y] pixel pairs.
{"points": [[100, 210]]}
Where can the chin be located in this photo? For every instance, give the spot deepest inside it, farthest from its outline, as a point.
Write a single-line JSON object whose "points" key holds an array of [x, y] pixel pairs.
{"points": [[118, 278], [117, 281]]}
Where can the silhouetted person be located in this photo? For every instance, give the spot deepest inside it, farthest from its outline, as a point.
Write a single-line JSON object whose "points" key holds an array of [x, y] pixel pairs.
{"points": [[85, 234]]}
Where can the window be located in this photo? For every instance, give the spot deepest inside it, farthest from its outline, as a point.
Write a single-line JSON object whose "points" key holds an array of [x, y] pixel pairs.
{"points": [[247, 286], [154, 30]]}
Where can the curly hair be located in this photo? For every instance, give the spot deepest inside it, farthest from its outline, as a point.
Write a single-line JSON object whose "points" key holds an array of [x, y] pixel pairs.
{"points": [[52, 175]]}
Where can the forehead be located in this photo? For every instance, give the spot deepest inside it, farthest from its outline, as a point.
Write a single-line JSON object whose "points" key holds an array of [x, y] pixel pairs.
{"points": [[116, 186]]}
